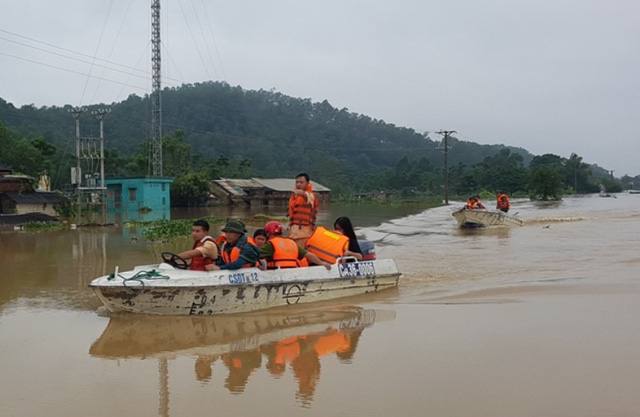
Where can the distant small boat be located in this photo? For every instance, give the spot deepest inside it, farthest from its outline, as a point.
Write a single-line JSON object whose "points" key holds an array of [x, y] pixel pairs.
{"points": [[483, 218], [634, 191]]}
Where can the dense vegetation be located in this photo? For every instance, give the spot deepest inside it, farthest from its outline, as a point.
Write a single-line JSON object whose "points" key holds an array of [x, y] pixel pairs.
{"points": [[217, 130]]}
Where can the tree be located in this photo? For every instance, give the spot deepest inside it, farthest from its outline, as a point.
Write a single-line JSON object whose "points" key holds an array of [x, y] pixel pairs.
{"points": [[176, 155], [545, 183], [576, 174], [189, 190], [503, 171]]}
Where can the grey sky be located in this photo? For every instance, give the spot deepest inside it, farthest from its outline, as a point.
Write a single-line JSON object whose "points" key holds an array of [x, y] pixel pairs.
{"points": [[557, 76]]}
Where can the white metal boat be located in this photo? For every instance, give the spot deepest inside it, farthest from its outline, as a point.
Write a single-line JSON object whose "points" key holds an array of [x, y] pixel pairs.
{"points": [[482, 218], [166, 290]]}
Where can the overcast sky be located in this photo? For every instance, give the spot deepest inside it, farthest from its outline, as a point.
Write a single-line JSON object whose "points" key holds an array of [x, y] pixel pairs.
{"points": [[552, 76]]}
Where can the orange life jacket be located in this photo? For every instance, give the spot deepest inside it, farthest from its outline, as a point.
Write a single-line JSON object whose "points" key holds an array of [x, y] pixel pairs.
{"points": [[252, 241], [199, 262], [332, 342], [327, 245], [221, 239], [285, 253], [287, 350], [471, 205], [503, 202], [232, 255], [300, 211]]}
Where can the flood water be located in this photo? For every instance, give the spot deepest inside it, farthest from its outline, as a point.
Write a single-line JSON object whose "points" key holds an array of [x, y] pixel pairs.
{"points": [[541, 320]]}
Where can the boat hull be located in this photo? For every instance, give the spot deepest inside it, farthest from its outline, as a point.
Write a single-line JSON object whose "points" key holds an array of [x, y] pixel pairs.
{"points": [[483, 218], [221, 292]]}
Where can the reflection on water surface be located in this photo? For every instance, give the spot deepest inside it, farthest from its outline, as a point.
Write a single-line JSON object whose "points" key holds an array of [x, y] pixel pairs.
{"points": [[275, 341]]}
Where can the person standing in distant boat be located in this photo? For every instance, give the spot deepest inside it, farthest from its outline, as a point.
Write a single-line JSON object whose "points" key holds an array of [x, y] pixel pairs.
{"points": [[303, 208], [503, 203]]}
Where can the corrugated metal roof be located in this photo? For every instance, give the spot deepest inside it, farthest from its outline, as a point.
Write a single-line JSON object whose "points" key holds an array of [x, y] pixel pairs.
{"points": [[286, 184], [233, 187], [237, 186], [36, 198]]}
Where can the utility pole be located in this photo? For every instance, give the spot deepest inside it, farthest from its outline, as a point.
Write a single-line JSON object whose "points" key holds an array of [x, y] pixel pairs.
{"points": [[446, 134], [76, 174], [156, 105], [100, 113]]}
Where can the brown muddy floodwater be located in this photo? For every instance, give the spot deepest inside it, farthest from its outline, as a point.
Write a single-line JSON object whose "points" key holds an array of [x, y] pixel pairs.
{"points": [[542, 320]]}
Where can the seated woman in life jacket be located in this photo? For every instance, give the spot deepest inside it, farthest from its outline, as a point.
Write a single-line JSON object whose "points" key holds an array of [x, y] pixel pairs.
{"points": [[259, 238], [343, 225], [284, 252], [204, 251]]}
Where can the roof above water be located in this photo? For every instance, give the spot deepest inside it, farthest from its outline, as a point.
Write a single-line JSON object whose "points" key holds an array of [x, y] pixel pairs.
{"points": [[287, 184], [236, 186], [36, 198]]}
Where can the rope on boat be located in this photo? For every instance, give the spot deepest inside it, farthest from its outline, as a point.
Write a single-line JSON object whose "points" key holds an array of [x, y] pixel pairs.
{"points": [[139, 276]]}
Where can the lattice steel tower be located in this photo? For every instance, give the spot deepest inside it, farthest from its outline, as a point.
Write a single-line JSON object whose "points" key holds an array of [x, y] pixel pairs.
{"points": [[156, 103]]}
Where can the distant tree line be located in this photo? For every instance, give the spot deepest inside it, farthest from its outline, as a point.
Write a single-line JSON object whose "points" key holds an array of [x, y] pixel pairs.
{"points": [[222, 131]]}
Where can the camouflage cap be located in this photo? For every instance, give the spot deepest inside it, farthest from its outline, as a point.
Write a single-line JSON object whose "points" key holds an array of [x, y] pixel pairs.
{"points": [[234, 226]]}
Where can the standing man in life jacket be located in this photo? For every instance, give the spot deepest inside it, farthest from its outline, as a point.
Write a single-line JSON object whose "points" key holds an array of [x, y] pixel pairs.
{"points": [[236, 252], [503, 203], [284, 252], [204, 251], [303, 208]]}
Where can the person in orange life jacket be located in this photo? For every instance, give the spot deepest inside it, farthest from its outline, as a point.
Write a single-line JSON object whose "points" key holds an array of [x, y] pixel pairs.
{"points": [[502, 203], [204, 251], [284, 252], [259, 238], [303, 208], [236, 252], [221, 239], [343, 226], [474, 203]]}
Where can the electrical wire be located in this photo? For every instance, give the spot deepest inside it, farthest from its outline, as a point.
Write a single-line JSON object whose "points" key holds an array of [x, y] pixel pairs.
{"points": [[104, 25], [204, 65]]}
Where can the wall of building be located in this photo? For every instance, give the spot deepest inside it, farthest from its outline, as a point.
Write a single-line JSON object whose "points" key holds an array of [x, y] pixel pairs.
{"points": [[128, 195]]}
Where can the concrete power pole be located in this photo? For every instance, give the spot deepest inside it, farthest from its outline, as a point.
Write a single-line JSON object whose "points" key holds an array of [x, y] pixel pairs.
{"points": [[446, 134], [156, 104], [76, 174], [100, 113]]}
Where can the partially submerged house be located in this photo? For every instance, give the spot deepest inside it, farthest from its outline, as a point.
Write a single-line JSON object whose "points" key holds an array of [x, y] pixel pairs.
{"points": [[33, 202], [17, 197], [261, 191]]}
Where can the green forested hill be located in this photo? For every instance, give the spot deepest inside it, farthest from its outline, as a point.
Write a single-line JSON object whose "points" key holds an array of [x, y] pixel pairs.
{"points": [[214, 130], [280, 135]]}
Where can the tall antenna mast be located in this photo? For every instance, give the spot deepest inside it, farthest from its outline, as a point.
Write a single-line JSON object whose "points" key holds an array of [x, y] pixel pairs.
{"points": [[156, 104]]}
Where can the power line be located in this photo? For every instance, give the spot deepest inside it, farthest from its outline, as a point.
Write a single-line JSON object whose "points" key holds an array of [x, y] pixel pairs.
{"points": [[93, 58], [204, 65], [215, 44], [72, 71], [106, 63]]}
